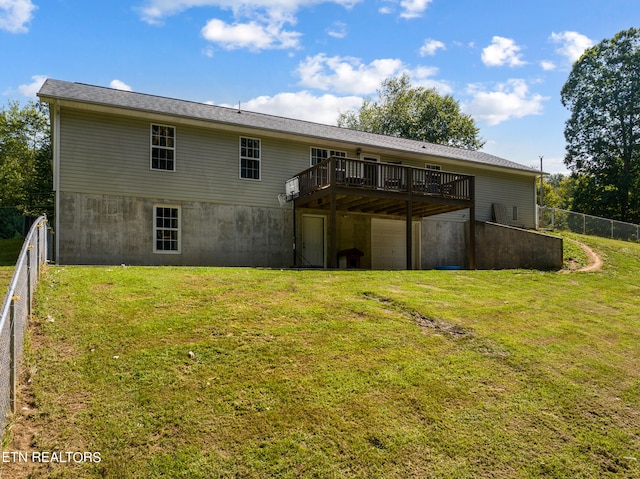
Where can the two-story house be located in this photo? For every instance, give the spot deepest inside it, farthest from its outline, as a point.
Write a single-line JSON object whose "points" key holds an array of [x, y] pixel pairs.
{"points": [[142, 179]]}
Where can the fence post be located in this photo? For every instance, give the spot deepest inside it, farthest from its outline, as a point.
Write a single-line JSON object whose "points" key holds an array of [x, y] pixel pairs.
{"points": [[29, 288], [38, 248], [584, 224], [13, 366], [611, 229]]}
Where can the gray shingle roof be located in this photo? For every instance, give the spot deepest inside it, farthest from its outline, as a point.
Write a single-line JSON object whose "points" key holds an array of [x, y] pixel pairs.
{"points": [[63, 90]]}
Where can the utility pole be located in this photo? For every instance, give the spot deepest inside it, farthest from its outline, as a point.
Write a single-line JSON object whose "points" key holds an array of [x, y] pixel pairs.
{"points": [[541, 184]]}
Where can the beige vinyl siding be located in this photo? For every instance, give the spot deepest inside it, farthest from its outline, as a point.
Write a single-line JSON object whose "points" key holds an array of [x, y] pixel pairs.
{"points": [[109, 154], [103, 154], [509, 190]]}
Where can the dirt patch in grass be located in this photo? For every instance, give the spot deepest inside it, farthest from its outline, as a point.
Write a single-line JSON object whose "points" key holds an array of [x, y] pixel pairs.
{"points": [[594, 260], [436, 324], [23, 432]]}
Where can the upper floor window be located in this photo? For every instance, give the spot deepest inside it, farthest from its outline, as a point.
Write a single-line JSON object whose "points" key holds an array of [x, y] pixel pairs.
{"points": [[432, 167], [250, 158], [318, 155], [163, 147]]}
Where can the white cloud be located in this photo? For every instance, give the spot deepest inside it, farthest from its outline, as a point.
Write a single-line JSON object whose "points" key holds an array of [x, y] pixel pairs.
{"points": [[547, 65], [346, 74], [351, 76], [30, 89], [430, 47], [413, 8], [120, 85], [409, 8], [303, 106], [508, 100], [249, 35], [338, 30], [572, 44], [423, 76], [15, 14], [502, 51], [257, 25], [153, 11]]}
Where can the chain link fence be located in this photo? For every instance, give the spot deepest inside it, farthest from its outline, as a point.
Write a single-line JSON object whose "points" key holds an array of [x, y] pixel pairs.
{"points": [[557, 219], [15, 312]]}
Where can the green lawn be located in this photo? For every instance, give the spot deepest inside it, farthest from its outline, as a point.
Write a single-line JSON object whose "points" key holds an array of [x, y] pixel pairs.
{"points": [[9, 251], [5, 277], [208, 372]]}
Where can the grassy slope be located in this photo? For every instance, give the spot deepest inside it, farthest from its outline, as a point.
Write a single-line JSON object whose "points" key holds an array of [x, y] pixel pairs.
{"points": [[5, 278], [9, 251], [341, 374]]}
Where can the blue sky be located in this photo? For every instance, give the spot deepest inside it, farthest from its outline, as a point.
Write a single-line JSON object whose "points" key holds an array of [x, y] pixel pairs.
{"points": [[504, 61]]}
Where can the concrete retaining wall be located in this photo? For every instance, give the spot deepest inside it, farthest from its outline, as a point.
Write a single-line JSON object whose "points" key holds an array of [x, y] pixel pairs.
{"points": [[504, 247], [444, 243]]}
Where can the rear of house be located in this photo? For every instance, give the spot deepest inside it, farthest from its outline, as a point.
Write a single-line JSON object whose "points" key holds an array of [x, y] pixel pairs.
{"points": [[141, 179]]}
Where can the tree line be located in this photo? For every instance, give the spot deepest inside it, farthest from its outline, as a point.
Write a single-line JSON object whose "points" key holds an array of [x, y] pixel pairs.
{"points": [[26, 174]]}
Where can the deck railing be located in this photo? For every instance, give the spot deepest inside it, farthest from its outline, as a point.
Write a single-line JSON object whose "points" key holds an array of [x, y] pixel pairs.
{"points": [[349, 172]]}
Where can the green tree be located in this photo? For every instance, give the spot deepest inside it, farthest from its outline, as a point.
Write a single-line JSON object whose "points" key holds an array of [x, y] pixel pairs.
{"points": [[603, 131], [26, 180], [558, 191], [415, 113]]}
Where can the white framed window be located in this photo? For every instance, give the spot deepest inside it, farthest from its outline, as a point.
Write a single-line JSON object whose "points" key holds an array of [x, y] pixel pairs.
{"points": [[318, 155], [163, 147], [432, 167], [250, 158], [166, 229]]}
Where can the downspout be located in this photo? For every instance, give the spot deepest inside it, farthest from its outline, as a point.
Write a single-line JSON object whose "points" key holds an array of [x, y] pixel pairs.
{"points": [[56, 176]]}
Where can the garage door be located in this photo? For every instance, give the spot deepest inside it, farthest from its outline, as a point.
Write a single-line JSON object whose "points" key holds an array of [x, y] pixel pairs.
{"points": [[389, 245]]}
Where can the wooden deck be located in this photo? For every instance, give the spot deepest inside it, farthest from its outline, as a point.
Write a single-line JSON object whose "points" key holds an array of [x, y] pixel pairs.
{"points": [[381, 188], [360, 186]]}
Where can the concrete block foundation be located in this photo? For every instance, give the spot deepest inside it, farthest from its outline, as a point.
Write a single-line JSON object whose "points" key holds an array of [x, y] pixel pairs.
{"points": [[106, 230]]}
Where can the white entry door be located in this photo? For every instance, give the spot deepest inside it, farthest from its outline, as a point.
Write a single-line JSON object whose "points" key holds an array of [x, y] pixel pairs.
{"points": [[389, 244], [313, 245]]}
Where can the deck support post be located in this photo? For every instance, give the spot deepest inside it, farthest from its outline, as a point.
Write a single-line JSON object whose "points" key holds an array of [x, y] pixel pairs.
{"points": [[472, 224], [333, 227], [295, 237], [409, 235], [409, 230]]}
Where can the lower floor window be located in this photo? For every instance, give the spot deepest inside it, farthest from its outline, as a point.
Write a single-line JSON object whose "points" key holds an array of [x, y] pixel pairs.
{"points": [[250, 169], [167, 229]]}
